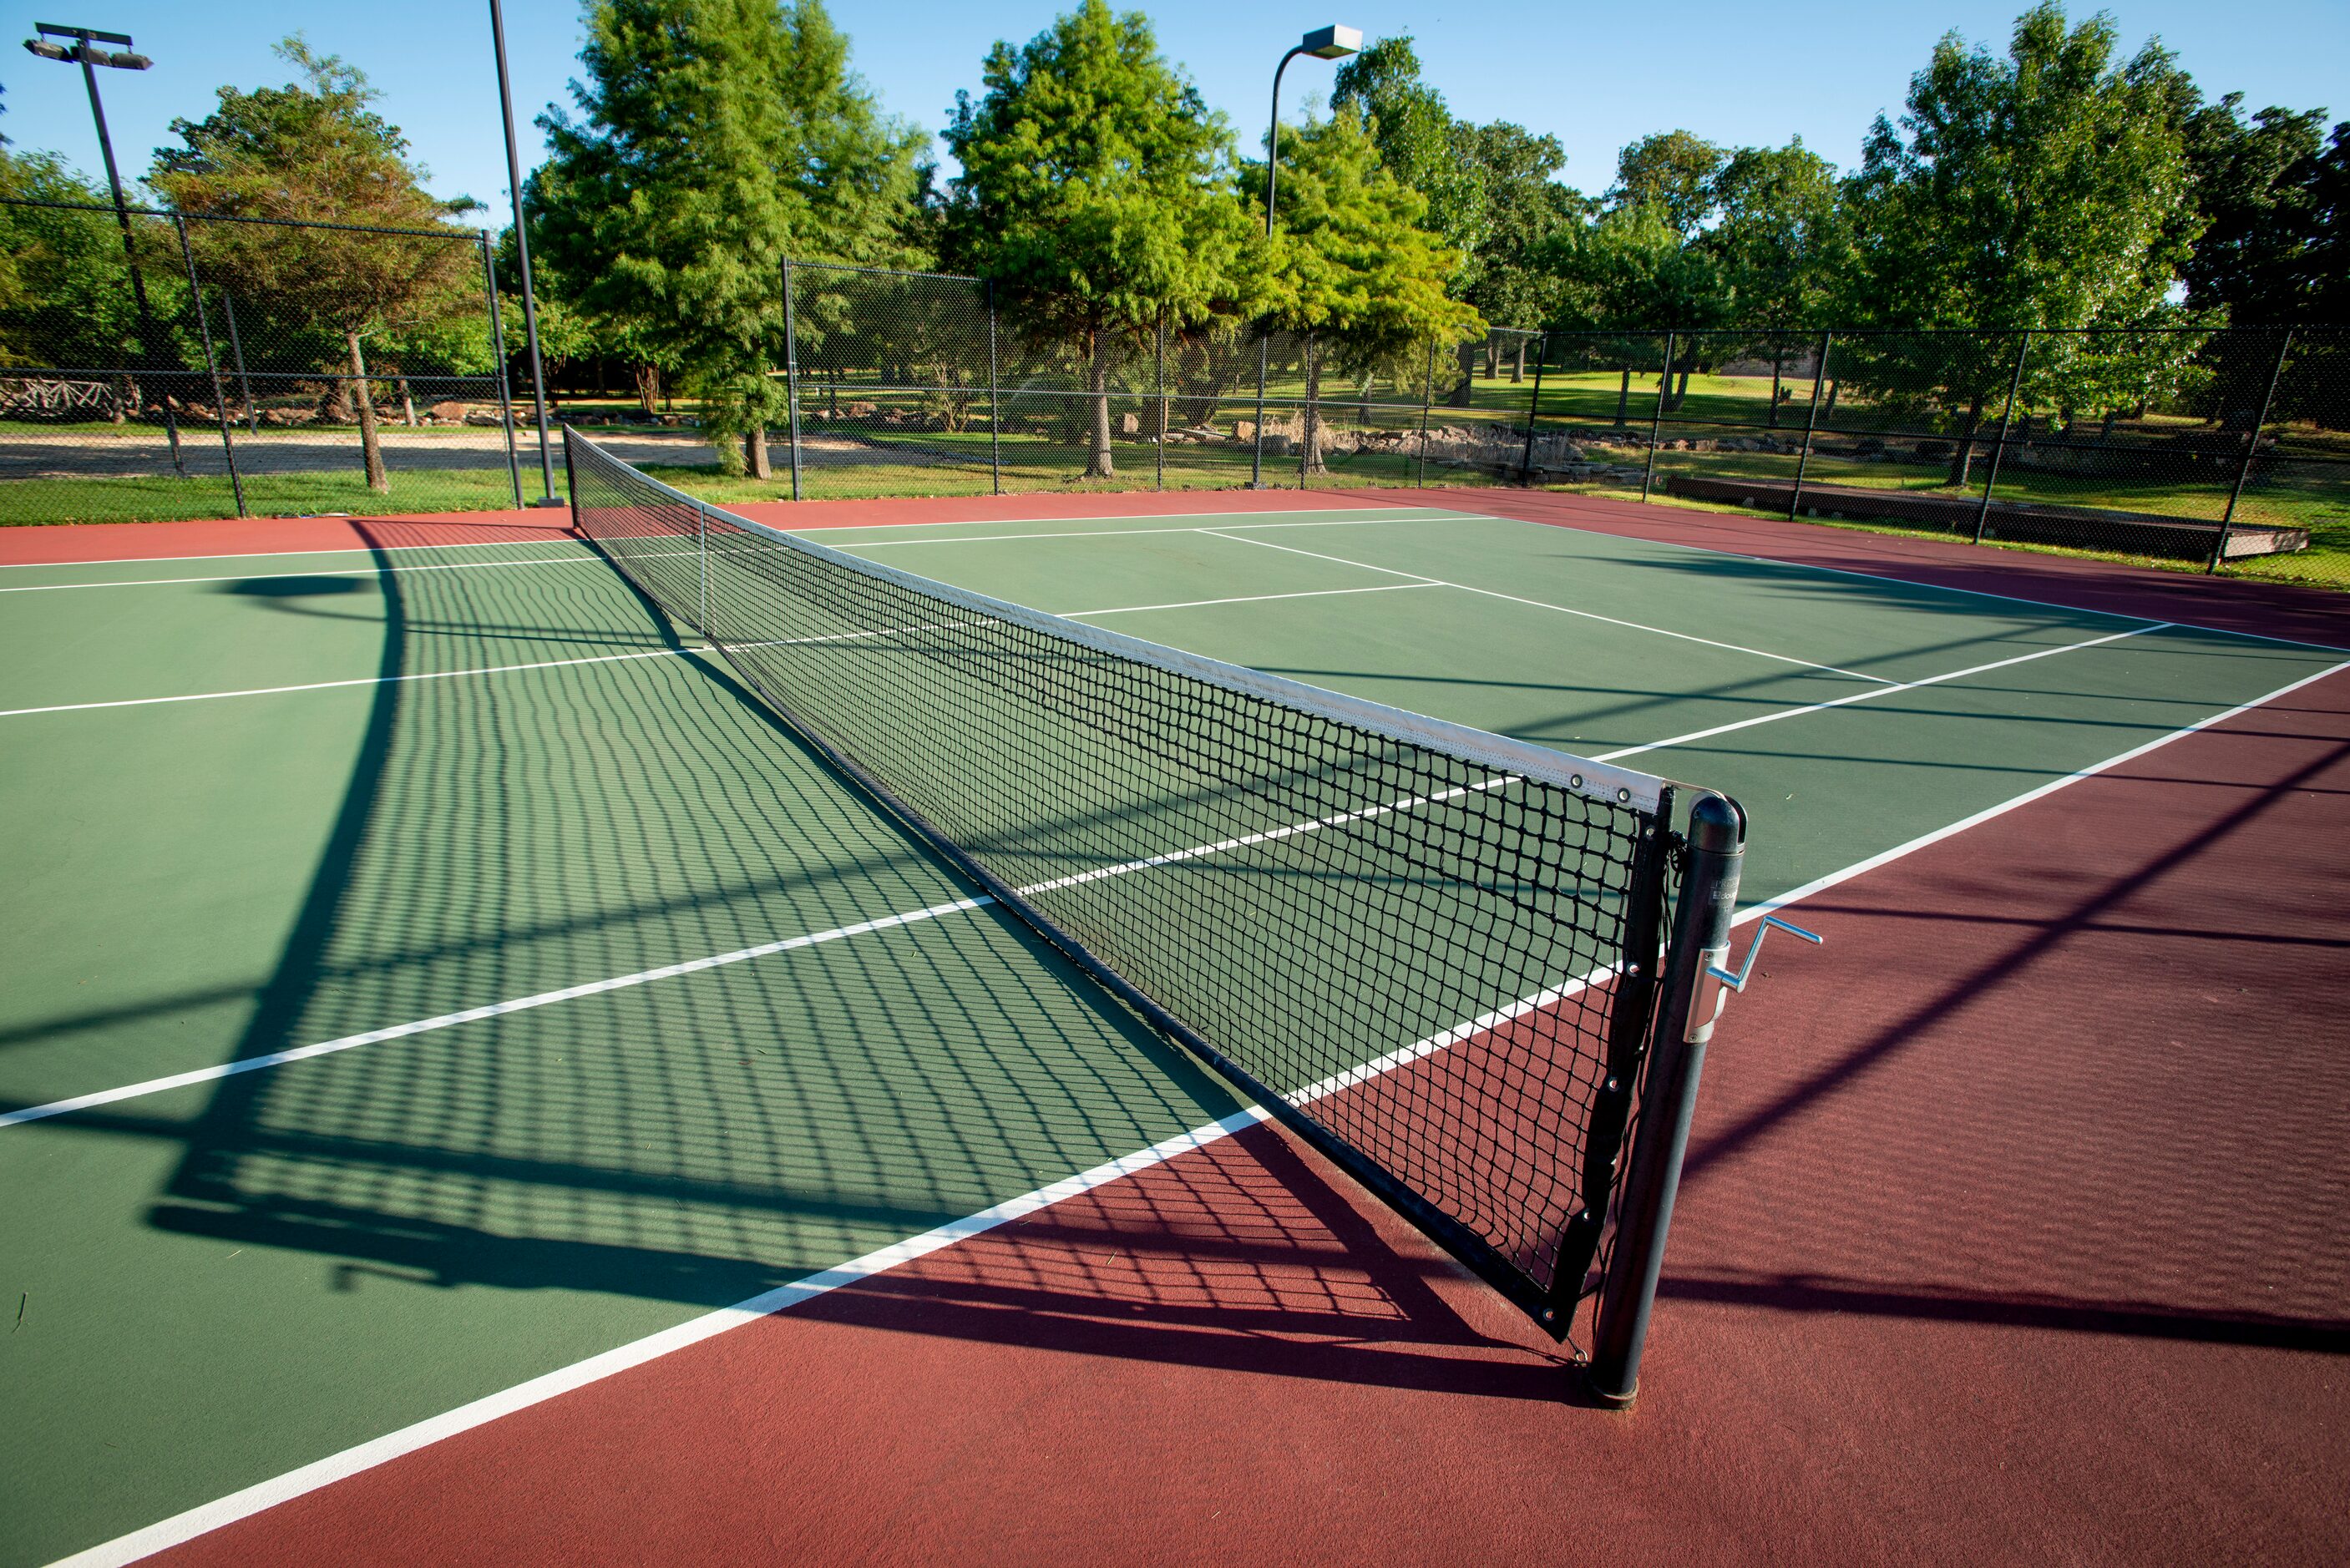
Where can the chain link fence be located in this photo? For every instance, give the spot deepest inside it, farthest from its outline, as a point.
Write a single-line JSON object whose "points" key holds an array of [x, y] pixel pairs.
{"points": [[155, 364]]}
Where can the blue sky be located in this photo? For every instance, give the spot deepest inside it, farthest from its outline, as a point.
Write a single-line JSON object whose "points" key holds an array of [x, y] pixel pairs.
{"points": [[1593, 76]]}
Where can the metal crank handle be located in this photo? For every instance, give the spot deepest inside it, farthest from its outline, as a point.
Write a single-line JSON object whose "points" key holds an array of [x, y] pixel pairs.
{"points": [[1702, 1019]]}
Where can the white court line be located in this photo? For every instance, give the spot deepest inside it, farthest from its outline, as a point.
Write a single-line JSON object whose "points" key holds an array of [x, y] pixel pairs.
{"points": [[1541, 603], [1401, 515], [584, 555], [278, 554], [647, 653], [355, 680], [1903, 582], [253, 1499], [474, 1015], [1244, 600], [1875, 692]]}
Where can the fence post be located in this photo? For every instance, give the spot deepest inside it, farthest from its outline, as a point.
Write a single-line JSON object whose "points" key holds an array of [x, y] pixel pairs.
{"points": [[792, 376], [236, 351], [1701, 937], [2244, 473], [1810, 423], [498, 358], [1309, 424], [1159, 477], [1427, 401], [1533, 410], [212, 364], [1657, 425], [994, 402], [2006, 418], [1256, 456], [702, 552]]}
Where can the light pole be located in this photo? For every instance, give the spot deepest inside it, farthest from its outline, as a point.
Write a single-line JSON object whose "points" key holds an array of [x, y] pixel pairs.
{"points": [[85, 52], [522, 247], [1326, 44]]}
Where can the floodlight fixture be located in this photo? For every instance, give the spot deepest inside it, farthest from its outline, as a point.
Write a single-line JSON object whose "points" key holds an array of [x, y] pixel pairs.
{"points": [[1333, 43]]}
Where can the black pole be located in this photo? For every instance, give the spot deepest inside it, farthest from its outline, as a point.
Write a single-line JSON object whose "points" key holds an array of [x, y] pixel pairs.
{"points": [[2244, 473], [1657, 424], [1812, 424], [1427, 401], [1272, 178], [1700, 939], [994, 402], [212, 364], [1533, 412], [150, 352], [1159, 480], [505, 395], [2006, 418], [521, 250], [236, 349], [792, 376]]}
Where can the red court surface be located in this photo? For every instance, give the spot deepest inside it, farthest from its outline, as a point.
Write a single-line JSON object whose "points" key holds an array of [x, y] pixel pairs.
{"points": [[2012, 1233]]}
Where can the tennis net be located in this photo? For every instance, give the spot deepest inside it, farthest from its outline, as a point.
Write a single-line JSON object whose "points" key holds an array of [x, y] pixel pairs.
{"points": [[1430, 951]]}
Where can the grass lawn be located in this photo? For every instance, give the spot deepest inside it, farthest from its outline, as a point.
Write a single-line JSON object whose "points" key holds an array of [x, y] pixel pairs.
{"points": [[164, 500]]}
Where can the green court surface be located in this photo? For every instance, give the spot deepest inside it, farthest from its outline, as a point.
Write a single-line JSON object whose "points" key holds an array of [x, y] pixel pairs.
{"points": [[264, 802]]}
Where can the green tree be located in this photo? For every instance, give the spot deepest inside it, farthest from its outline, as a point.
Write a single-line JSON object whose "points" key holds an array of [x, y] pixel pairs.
{"points": [[2249, 183], [2044, 189], [1419, 141], [1351, 264], [1673, 170], [315, 151], [1505, 277], [65, 295], [716, 138], [1096, 195]]}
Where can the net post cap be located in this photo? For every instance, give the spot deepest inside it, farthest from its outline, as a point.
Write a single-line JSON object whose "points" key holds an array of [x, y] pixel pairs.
{"points": [[1716, 824]]}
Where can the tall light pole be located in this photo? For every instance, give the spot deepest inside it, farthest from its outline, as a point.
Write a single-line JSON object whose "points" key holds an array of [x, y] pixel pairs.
{"points": [[1326, 44], [522, 247], [85, 52]]}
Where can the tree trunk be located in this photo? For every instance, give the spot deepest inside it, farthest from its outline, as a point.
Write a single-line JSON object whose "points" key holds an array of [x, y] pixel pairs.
{"points": [[1518, 366], [1312, 458], [1493, 358], [1623, 397], [1463, 393], [1963, 462], [649, 388], [755, 452], [1098, 463], [1680, 395], [407, 404], [1776, 355], [1828, 412], [370, 443]]}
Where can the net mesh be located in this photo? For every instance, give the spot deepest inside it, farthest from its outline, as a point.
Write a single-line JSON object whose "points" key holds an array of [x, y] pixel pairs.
{"points": [[1427, 947]]}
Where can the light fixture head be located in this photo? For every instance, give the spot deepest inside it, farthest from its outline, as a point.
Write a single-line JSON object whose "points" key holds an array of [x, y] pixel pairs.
{"points": [[1333, 43]]}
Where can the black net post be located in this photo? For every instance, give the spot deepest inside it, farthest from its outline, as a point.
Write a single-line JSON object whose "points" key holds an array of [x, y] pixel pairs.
{"points": [[995, 401], [1657, 425], [212, 362], [1700, 940], [2006, 419], [498, 358], [2251, 451], [1158, 443], [1533, 409], [1811, 424]]}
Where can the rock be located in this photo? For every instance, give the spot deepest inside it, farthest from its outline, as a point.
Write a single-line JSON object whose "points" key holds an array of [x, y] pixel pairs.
{"points": [[1245, 430], [1129, 425], [448, 413]]}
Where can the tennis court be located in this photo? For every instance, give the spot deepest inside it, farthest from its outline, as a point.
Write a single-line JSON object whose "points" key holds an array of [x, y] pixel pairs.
{"points": [[432, 972]]}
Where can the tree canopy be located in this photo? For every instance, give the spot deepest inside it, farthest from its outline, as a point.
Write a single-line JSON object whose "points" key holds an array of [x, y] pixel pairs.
{"points": [[716, 138], [316, 151], [1096, 195]]}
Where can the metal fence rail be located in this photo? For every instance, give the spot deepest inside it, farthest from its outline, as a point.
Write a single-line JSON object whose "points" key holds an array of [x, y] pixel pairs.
{"points": [[161, 365]]}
